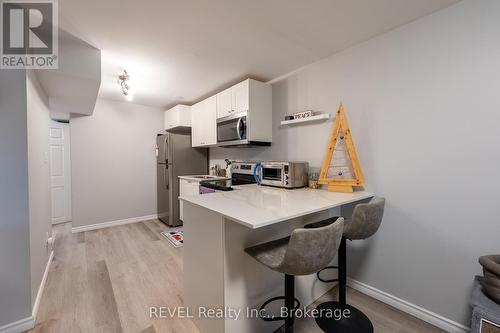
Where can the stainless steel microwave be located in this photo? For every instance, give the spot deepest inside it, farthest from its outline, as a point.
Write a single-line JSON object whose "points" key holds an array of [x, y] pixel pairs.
{"points": [[284, 174], [232, 130]]}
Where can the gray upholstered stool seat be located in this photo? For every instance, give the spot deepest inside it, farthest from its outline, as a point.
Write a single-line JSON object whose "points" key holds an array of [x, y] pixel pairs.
{"points": [[364, 223], [270, 254], [366, 219], [306, 251]]}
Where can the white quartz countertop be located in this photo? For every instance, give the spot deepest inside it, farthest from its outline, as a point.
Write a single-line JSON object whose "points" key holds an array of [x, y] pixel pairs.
{"points": [[258, 206], [196, 179]]}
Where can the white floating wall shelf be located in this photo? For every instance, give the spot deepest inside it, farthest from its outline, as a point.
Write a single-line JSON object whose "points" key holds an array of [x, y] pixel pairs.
{"points": [[318, 117]]}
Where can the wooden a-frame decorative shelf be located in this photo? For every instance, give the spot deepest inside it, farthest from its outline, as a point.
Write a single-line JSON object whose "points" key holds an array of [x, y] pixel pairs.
{"points": [[346, 169]]}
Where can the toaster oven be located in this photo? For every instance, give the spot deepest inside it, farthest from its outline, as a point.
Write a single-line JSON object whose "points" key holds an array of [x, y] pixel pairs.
{"points": [[284, 174]]}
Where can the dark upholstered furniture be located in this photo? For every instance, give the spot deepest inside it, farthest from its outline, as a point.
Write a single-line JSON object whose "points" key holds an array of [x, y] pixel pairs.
{"points": [[305, 252], [485, 312], [364, 223], [491, 273]]}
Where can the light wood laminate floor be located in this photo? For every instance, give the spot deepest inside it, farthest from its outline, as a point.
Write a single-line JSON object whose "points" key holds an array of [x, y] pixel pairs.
{"points": [[105, 281]]}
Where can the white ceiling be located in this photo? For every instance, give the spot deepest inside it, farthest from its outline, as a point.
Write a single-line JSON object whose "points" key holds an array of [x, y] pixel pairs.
{"points": [[183, 50]]}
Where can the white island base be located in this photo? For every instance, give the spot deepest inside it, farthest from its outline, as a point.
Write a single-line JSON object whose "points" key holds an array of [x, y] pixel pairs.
{"points": [[219, 275]]}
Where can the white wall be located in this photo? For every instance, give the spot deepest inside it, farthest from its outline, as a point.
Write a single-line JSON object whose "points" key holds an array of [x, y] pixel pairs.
{"points": [[423, 103], [113, 162], [15, 296], [39, 180]]}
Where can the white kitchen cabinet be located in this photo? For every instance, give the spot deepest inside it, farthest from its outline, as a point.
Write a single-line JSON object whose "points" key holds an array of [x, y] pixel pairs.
{"points": [[178, 118], [224, 103], [233, 100], [240, 95], [187, 187], [196, 128], [203, 123], [252, 99]]}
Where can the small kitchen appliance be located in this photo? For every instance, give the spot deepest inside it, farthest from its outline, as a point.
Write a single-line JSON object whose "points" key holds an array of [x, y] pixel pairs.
{"points": [[233, 131], [283, 174]]}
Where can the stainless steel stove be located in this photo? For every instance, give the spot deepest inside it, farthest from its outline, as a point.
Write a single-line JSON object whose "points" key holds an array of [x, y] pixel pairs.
{"points": [[242, 174]]}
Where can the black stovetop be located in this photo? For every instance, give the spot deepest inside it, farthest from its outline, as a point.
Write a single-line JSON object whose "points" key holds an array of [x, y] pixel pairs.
{"points": [[227, 184], [221, 185]]}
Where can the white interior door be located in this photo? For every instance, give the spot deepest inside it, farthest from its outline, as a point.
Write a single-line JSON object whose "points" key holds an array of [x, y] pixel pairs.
{"points": [[60, 171]]}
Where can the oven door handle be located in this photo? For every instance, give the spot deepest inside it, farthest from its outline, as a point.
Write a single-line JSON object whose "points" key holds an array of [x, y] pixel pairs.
{"points": [[238, 128]]}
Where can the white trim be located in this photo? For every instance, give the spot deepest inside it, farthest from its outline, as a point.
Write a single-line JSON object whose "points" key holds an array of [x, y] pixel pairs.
{"points": [[19, 326], [113, 223], [38, 298], [412, 309]]}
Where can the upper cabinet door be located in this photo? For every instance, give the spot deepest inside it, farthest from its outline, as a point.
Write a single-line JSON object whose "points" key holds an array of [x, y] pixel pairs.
{"points": [[178, 116], [210, 121], [224, 103], [170, 119], [196, 128], [203, 123], [240, 96]]}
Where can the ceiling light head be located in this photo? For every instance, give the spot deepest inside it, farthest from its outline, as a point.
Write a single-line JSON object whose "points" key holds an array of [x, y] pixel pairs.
{"points": [[125, 86], [124, 77]]}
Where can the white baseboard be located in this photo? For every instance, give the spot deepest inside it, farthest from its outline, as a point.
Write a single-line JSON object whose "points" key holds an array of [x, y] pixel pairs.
{"points": [[412, 309], [29, 322], [36, 305], [113, 223], [19, 326]]}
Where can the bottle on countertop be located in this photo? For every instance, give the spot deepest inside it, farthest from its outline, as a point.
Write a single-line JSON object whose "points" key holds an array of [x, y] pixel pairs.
{"points": [[229, 168], [217, 170]]}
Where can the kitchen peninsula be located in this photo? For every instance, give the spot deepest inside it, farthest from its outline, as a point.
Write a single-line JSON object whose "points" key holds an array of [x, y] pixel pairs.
{"points": [[218, 274]]}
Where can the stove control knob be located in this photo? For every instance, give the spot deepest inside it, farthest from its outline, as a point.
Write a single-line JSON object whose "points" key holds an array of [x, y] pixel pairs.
{"points": [[286, 182], [286, 176]]}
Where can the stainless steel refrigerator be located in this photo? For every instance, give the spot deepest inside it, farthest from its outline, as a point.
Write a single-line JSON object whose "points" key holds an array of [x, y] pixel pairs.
{"points": [[175, 157]]}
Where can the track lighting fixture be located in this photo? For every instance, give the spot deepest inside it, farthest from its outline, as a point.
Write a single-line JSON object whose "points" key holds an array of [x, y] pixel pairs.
{"points": [[123, 80]]}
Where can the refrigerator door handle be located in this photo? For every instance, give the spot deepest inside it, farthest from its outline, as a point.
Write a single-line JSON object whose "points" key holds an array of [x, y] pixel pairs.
{"points": [[165, 147], [166, 177]]}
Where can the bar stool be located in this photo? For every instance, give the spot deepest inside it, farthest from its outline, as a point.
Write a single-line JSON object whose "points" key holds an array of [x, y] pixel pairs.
{"points": [[305, 252], [364, 223]]}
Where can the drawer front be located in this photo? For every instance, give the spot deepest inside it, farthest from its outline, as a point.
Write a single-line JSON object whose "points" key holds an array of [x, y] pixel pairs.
{"points": [[189, 187], [183, 184]]}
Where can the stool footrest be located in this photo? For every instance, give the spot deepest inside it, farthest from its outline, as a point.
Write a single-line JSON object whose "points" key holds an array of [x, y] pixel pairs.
{"points": [[327, 281], [272, 318]]}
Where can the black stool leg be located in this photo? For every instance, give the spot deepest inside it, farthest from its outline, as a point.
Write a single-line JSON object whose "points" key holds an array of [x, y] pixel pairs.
{"points": [[357, 322], [342, 258], [289, 302]]}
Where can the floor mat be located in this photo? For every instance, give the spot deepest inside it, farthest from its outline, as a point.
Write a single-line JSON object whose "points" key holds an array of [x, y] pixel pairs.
{"points": [[175, 237]]}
